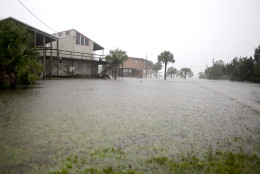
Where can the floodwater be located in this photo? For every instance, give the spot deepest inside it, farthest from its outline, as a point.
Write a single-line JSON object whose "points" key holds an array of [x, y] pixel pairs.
{"points": [[40, 127]]}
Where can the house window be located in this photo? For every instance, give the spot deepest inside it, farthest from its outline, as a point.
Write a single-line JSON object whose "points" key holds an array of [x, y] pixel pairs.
{"points": [[67, 33], [77, 38], [86, 41], [82, 39], [60, 34], [135, 61]]}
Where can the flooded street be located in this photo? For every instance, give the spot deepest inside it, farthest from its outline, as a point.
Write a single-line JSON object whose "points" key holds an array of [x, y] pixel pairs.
{"points": [[132, 119]]}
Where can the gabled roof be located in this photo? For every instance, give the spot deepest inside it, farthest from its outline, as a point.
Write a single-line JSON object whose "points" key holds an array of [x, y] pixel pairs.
{"points": [[39, 33], [140, 59], [96, 45]]}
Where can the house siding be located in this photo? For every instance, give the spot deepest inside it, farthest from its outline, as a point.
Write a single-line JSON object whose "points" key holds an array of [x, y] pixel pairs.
{"points": [[74, 59], [68, 43], [140, 63], [136, 67], [84, 48]]}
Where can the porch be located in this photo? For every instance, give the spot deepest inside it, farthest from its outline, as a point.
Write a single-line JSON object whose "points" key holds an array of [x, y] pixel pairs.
{"points": [[62, 63]]}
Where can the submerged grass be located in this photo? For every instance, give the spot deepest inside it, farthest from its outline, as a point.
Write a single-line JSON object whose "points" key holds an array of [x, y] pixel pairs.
{"points": [[218, 162], [64, 127], [256, 111], [221, 162]]}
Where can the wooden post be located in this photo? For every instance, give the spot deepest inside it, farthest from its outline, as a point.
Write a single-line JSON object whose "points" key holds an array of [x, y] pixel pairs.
{"points": [[51, 60], [58, 57], [71, 63], [122, 70], [35, 45], [91, 65], [35, 49], [44, 58]]}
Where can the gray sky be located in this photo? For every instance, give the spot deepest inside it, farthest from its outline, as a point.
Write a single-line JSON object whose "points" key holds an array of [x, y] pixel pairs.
{"points": [[195, 31]]}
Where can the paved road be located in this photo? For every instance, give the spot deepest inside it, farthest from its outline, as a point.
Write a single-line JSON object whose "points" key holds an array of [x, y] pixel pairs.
{"points": [[246, 93]]}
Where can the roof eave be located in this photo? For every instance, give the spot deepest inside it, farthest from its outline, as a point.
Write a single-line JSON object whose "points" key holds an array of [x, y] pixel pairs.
{"points": [[31, 27]]}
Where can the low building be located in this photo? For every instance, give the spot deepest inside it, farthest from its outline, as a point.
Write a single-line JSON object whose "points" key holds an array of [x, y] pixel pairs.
{"points": [[136, 67]]}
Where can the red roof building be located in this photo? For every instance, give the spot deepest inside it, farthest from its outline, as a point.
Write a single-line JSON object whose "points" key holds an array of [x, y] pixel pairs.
{"points": [[136, 67]]}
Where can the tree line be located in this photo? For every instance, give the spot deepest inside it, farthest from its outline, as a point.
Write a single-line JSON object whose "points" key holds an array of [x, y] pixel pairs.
{"points": [[171, 71], [239, 69], [117, 57], [167, 57]]}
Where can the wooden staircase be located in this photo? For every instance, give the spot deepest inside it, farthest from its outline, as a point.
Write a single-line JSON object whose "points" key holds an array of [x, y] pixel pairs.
{"points": [[103, 74], [61, 68]]}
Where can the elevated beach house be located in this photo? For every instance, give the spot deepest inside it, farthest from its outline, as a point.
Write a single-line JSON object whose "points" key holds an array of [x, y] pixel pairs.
{"points": [[77, 54]]}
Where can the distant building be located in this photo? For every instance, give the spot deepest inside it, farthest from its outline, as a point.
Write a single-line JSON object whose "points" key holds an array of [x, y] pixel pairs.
{"points": [[136, 67]]}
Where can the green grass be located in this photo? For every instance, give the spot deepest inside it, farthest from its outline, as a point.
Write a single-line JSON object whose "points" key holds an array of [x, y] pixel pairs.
{"points": [[256, 111], [218, 162], [221, 162]]}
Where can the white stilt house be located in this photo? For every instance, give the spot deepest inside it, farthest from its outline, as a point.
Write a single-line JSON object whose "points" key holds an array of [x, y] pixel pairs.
{"points": [[73, 40]]}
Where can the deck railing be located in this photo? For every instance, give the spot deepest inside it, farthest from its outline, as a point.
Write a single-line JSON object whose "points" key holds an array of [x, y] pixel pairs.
{"points": [[71, 54]]}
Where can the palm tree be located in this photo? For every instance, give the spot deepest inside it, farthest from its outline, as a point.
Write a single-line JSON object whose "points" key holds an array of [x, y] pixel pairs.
{"points": [[185, 71], [166, 57], [18, 60], [171, 71], [116, 57]]}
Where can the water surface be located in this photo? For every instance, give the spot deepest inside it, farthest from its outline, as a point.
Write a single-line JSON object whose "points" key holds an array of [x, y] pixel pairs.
{"points": [[141, 118]]}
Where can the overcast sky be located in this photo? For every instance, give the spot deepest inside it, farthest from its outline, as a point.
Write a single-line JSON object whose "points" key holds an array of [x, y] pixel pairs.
{"points": [[195, 31]]}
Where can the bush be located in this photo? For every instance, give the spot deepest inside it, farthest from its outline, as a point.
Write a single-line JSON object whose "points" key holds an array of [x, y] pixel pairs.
{"points": [[18, 57]]}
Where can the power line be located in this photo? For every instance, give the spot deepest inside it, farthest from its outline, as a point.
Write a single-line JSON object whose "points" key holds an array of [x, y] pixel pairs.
{"points": [[36, 16]]}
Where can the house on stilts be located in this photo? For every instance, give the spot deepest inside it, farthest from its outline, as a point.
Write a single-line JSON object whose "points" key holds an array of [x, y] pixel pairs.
{"points": [[78, 54]]}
